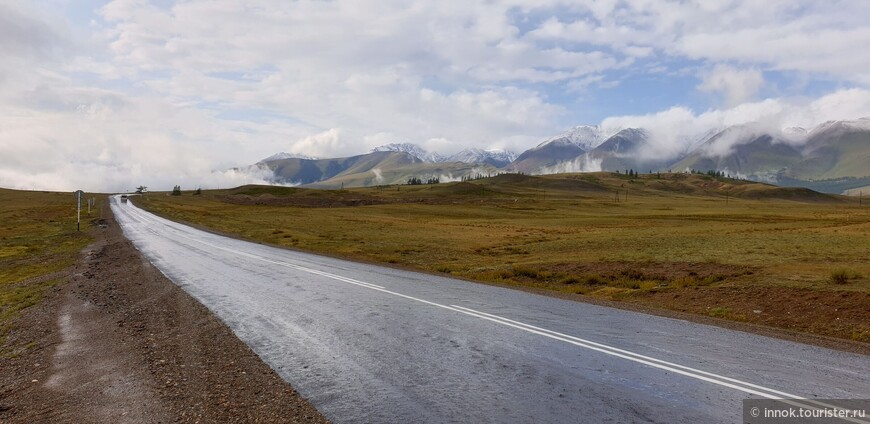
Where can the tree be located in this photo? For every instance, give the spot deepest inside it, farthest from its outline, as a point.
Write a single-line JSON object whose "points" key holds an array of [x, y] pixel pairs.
{"points": [[198, 191], [141, 189], [176, 191]]}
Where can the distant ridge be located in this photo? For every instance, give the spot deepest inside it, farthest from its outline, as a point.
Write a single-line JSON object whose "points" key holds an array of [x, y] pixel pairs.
{"points": [[283, 155], [833, 156]]}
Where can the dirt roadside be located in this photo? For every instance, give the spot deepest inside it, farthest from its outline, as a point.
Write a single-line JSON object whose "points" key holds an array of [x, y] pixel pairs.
{"points": [[119, 342]]}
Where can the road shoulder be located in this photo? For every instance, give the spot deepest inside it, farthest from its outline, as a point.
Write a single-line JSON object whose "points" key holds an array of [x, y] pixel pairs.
{"points": [[119, 342]]}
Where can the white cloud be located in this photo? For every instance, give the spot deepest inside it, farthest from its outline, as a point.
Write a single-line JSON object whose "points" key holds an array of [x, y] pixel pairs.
{"points": [[582, 163], [165, 94], [322, 144], [784, 35], [675, 129], [736, 85]]}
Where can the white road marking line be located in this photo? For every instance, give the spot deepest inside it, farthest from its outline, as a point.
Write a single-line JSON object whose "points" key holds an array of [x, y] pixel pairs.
{"points": [[648, 358], [690, 372], [709, 377], [264, 259]]}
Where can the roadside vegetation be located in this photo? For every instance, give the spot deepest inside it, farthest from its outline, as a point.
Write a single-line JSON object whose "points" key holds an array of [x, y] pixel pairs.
{"points": [[701, 244], [38, 242]]}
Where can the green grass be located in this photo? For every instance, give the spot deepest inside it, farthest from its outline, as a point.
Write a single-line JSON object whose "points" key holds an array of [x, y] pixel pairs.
{"points": [[567, 233], [719, 312], [38, 238]]}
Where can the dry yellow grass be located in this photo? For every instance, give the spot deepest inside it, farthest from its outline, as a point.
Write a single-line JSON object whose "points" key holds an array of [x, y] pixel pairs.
{"points": [[38, 239]]}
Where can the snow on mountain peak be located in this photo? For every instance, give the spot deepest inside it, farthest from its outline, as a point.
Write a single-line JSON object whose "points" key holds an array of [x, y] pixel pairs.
{"points": [[794, 134], [411, 149], [285, 155], [587, 137], [497, 157], [634, 133], [831, 127]]}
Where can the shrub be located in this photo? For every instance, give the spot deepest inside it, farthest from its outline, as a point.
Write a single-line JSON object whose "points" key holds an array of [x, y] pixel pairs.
{"points": [[526, 272], [843, 276], [719, 312], [570, 280], [594, 280], [632, 274]]}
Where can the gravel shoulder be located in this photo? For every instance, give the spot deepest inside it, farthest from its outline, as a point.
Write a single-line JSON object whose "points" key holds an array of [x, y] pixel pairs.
{"points": [[119, 342]]}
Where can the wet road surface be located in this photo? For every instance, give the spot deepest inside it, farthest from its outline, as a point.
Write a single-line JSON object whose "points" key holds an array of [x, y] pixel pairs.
{"points": [[371, 344]]}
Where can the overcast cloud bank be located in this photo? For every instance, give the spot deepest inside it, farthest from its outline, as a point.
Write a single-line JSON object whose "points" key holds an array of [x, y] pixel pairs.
{"points": [[105, 96]]}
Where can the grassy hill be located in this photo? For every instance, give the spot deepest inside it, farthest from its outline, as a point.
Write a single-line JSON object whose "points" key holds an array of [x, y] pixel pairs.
{"points": [[841, 155], [762, 156], [834, 159], [510, 187]]}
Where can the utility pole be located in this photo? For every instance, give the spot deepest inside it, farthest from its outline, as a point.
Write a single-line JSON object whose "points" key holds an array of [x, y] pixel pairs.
{"points": [[78, 194]]}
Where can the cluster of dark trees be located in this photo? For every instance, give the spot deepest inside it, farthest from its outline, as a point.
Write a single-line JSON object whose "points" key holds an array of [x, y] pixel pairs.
{"points": [[418, 181], [714, 173], [482, 176], [176, 191], [475, 177]]}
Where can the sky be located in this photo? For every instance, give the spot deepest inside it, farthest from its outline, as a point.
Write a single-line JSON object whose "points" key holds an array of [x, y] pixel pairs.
{"points": [[109, 95]]}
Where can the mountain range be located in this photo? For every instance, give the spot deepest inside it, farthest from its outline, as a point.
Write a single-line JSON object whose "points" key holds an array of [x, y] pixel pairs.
{"points": [[832, 157]]}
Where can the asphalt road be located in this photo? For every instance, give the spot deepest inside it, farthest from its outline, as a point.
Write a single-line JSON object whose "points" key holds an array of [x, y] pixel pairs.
{"points": [[371, 344]]}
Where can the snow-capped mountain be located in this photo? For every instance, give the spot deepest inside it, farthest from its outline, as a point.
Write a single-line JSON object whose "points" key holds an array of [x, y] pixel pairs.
{"points": [[495, 157], [563, 148], [836, 151], [795, 134], [285, 155], [861, 124], [624, 142], [627, 149], [587, 137], [693, 142], [411, 149]]}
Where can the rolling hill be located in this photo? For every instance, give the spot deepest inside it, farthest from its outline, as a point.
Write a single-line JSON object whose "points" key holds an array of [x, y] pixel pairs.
{"points": [[835, 150], [750, 155]]}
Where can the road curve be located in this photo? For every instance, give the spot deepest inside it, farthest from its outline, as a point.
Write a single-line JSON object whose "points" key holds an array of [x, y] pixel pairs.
{"points": [[370, 344]]}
